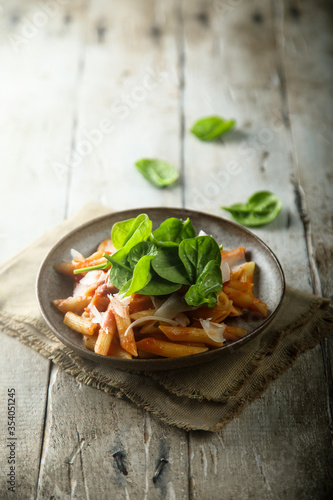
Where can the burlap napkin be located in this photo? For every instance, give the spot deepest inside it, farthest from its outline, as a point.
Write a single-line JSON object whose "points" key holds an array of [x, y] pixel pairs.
{"points": [[204, 397]]}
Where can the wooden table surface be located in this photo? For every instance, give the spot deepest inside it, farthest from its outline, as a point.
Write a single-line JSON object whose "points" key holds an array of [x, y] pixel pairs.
{"points": [[88, 88]]}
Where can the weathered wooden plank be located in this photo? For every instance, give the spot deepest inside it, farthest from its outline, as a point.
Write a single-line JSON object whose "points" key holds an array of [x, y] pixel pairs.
{"points": [[312, 133], [35, 123], [275, 448], [121, 56], [36, 116], [27, 373], [258, 155], [128, 106], [97, 446], [307, 58], [82, 432]]}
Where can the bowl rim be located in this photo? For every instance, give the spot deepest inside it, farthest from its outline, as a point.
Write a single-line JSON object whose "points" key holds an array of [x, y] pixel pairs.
{"points": [[156, 364]]}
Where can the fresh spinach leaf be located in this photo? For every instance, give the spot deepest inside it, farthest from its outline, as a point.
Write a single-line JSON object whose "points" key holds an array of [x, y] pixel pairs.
{"points": [[178, 258], [119, 275], [211, 128], [141, 277], [140, 250], [123, 230], [120, 272], [172, 231], [158, 172], [261, 208], [138, 259], [139, 230], [159, 286], [195, 254], [168, 265], [206, 286]]}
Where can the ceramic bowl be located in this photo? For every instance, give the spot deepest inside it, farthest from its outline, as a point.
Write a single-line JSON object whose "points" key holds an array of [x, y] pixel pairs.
{"points": [[269, 281]]}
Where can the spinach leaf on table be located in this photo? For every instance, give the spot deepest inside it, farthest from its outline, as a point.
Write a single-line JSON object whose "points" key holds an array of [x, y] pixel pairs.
{"points": [[212, 127], [157, 172], [261, 208]]}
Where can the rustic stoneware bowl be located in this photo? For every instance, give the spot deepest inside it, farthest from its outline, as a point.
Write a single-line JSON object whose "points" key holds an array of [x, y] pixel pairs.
{"points": [[269, 281]]}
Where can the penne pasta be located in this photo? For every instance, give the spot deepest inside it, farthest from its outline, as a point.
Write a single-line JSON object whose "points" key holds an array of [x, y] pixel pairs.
{"points": [[116, 351], [216, 313], [234, 257], [189, 334], [195, 344], [259, 307], [139, 302], [147, 355], [80, 324], [123, 321], [103, 342], [247, 272], [89, 341], [241, 286], [235, 274], [246, 300], [168, 349], [232, 333], [235, 311], [95, 255], [105, 246], [65, 268], [74, 304], [100, 301]]}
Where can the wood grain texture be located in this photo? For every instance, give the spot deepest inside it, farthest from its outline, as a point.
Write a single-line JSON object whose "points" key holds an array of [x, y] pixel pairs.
{"points": [[38, 87], [28, 374], [118, 60], [90, 89], [97, 446], [127, 105], [311, 124], [261, 155]]}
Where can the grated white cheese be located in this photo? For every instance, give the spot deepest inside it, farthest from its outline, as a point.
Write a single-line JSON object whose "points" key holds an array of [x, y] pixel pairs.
{"points": [[150, 318], [76, 255], [214, 330], [225, 268]]}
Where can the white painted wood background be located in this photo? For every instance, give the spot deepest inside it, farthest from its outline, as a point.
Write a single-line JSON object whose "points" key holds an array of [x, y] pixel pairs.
{"points": [[141, 72]]}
